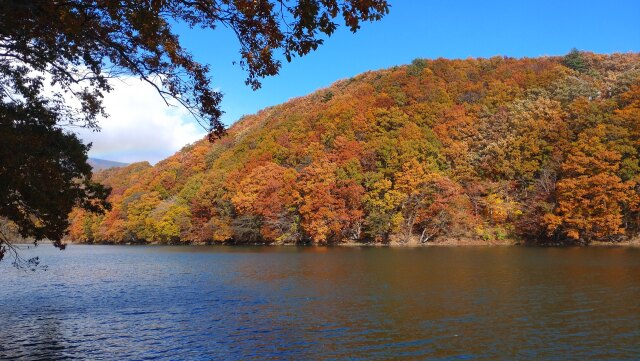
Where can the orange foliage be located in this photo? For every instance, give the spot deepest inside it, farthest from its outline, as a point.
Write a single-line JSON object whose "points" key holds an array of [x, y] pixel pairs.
{"points": [[490, 148]]}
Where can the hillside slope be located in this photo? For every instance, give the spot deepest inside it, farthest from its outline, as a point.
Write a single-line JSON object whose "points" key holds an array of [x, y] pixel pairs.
{"points": [[543, 149]]}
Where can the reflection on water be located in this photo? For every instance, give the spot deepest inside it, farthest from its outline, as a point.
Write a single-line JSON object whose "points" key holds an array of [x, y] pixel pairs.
{"points": [[239, 303]]}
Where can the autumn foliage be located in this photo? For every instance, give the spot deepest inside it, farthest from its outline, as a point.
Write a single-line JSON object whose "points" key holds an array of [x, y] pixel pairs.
{"points": [[542, 150]]}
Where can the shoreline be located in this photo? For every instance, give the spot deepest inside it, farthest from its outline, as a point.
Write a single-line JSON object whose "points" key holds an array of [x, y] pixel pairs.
{"points": [[635, 243]]}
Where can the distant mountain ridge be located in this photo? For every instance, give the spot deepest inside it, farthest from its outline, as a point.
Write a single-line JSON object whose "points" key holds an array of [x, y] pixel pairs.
{"points": [[100, 164]]}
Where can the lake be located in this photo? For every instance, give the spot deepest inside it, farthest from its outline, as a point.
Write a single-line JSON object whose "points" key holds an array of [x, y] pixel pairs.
{"points": [[306, 303]]}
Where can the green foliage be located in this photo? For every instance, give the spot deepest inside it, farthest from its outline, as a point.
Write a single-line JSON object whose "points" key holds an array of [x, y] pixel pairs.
{"points": [[416, 67], [576, 61], [327, 96]]}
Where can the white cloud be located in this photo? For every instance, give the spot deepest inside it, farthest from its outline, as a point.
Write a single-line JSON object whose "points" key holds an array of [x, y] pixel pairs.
{"points": [[140, 125]]}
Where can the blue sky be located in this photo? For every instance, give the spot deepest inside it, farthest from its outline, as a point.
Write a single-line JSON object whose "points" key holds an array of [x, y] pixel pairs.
{"points": [[413, 29]]}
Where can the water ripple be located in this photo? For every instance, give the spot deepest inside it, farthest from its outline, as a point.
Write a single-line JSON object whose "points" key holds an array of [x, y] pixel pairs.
{"points": [[202, 303]]}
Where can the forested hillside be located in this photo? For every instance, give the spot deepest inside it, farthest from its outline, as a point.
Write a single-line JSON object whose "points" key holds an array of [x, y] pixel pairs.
{"points": [[542, 150]]}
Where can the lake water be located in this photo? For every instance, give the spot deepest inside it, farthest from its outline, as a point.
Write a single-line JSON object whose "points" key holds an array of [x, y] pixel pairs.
{"points": [[303, 303]]}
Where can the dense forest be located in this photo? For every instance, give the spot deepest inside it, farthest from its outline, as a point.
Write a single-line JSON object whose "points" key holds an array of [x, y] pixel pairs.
{"points": [[542, 150]]}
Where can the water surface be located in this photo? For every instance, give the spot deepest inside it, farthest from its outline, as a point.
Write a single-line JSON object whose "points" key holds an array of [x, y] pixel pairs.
{"points": [[303, 303]]}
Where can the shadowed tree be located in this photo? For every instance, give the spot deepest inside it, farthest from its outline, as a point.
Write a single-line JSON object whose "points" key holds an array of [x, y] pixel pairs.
{"points": [[43, 175]]}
